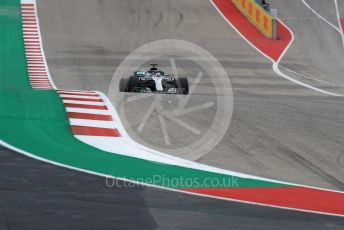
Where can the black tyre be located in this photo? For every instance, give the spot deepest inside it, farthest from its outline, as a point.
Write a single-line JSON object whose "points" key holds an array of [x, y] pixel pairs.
{"points": [[183, 83], [123, 85], [132, 83]]}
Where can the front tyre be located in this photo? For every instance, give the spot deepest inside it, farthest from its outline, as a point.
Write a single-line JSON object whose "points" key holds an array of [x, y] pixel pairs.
{"points": [[133, 83], [183, 84], [123, 85]]}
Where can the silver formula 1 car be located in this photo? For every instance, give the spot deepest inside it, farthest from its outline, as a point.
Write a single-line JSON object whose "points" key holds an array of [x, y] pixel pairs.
{"points": [[155, 81]]}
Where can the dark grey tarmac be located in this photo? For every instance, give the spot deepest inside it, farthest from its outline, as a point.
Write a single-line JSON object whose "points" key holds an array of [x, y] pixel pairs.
{"points": [[41, 196]]}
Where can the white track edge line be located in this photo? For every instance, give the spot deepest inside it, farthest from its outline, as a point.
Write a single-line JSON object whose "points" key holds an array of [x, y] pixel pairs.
{"points": [[319, 16], [156, 186], [276, 69], [216, 170], [338, 20]]}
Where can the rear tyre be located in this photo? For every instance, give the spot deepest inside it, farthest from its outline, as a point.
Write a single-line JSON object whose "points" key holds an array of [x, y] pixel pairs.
{"points": [[133, 83], [123, 85], [183, 83]]}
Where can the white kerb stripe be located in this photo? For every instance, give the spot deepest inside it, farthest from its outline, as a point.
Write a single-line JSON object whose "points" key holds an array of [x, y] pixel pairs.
{"points": [[93, 123], [79, 96], [83, 102], [91, 111], [75, 91]]}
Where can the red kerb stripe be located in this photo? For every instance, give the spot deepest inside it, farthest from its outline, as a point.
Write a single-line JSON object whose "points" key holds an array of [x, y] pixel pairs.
{"points": [[25, 19], [39, 81], [83, 99], [78, 94], [82, 106], [289, 196], [94, 131], [26, 37], [89, 116], [36, 72]]}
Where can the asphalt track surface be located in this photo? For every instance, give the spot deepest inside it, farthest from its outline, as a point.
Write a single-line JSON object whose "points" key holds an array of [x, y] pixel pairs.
{"points": [[49, 197], [322, 58], [279, 130], [324, 8]]}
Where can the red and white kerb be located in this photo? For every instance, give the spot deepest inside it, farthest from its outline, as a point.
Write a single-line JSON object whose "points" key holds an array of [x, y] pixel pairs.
{"points": [[88, 114], [37, 68]]}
